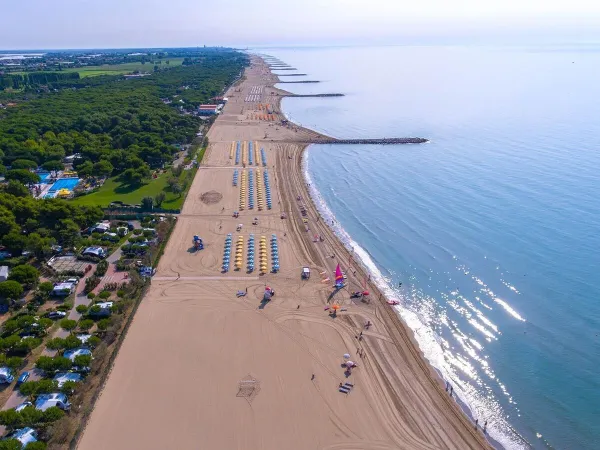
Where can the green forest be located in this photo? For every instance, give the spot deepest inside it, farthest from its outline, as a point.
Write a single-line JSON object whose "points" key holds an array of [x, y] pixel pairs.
{"points": [[119, 127]]}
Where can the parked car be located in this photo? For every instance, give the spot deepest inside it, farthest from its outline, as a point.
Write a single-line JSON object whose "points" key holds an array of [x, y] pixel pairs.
{"points": [[22, 406], [73, 280], [57, 315], [23, 378], [6, 377]]}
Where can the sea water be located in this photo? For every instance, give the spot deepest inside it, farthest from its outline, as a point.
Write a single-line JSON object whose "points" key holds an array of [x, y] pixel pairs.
{"points": [[493, 228]]}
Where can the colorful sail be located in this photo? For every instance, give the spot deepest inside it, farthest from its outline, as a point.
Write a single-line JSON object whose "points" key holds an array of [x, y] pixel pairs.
{"points": [[339, 276]]}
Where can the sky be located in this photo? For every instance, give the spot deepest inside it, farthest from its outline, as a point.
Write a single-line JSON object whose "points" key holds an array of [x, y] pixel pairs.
{"points": [[43, 24]]}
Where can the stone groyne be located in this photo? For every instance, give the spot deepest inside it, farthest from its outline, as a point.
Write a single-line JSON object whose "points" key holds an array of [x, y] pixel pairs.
{"points": [[301, 81], [313, 95], [383, 141]]}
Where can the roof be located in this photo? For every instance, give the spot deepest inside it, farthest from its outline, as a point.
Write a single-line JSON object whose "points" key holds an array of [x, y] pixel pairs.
{"points": [[102, 226], [72, 354], [45, 401], [25, 436], [208, 106], [94, 250], [4, 270], [62, 377], [104, 304], [65, 286]]}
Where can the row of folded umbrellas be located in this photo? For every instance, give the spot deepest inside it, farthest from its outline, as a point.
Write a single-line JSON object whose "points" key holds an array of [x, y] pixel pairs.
{"points": [[235, 177], [243, 191], [263, 156], [268, 189], [239, 249]]}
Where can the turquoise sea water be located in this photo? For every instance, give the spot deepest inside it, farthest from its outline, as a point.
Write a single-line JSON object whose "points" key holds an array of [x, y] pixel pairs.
{"points": [[493, 227]]}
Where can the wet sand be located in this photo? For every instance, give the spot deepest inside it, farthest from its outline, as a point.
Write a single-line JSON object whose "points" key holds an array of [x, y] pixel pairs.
{"points": [[181, 378]]}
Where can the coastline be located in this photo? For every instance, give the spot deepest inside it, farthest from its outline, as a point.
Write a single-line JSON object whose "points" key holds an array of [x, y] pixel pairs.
{"points": [[395, 321], [194, 326]]}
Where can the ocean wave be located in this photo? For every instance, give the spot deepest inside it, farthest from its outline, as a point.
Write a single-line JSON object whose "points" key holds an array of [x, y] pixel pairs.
{"points": [[434, 347]]}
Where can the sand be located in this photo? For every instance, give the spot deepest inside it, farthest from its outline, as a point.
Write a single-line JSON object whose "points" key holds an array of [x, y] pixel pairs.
{"points": [[202, 368]]}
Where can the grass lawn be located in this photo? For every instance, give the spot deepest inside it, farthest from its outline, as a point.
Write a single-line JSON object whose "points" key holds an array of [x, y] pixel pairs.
{"points": [[120, 69], [113, 190]]}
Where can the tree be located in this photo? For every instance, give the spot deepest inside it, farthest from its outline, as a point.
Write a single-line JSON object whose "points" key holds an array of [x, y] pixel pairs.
{"points": [[33, 388], [159, 199], [53, 166], [147, 203], [177, 189], [103, 168], [40, 246], [81, 309], [51, 365], [93, 341], [86, 324], [68, 324], [11, 419], [68, 231], [132, 176], [31, 416], [14, 242], [45, 288], [17, 189], [10, 444], [25, 345], [56, 343], [11, 290], [71, 342], [24, 164], [53, 413], [22, 175], [85, 169], [103, 324], [24, 274], [83, 360], [104, 295]]}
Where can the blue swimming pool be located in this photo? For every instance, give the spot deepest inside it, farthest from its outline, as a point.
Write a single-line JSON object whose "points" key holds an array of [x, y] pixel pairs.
{"points": [[44, 177], [64, 183]]}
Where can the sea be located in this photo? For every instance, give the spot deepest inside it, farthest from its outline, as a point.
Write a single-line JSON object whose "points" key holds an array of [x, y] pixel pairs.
{"points": [[488, 235]]}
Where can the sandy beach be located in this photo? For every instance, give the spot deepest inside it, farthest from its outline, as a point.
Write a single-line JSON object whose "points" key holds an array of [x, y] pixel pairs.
{"points": [[203, 368]]}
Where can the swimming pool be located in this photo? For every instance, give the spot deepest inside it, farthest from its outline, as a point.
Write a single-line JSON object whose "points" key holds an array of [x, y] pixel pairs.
{"points": [[64, 183], [44, 177]]}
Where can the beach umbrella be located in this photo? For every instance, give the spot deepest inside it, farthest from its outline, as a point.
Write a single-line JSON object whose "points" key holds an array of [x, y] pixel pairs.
{"points": [[349, 364], [346, 356], [335, 307], [365, 293]]}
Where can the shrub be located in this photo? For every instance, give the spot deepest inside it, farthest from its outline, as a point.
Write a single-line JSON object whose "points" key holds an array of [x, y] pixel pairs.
{"points": [[81, 309], [91, 296], [11, 290], [93, 341], [83, 360], [86, 324], [24, 274], [103, 324], [51, 365], [56, 343], [104, 295], [120, 293], [101, 268], [68, 324], [137, 231]]}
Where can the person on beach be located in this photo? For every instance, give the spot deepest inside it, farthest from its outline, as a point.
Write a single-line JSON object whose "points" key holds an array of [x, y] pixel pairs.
{"points": [[178, 275], [485, 427], [313, 377]]}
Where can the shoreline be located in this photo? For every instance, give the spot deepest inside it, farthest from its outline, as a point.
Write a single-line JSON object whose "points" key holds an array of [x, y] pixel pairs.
{"points": [[197, 352], [395, 318]]}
